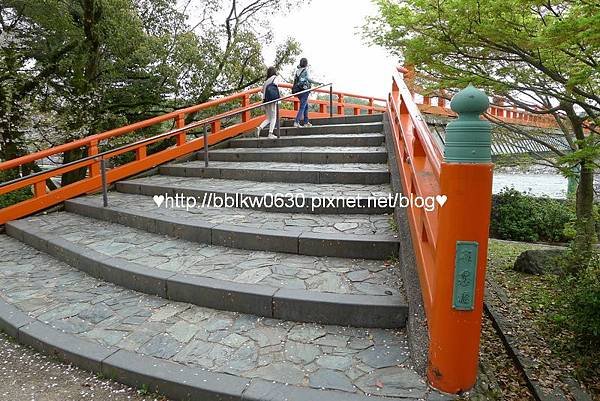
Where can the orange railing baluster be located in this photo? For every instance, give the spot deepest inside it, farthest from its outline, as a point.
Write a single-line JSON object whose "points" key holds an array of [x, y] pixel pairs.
{"points": [[92, 151], [180, 123]]}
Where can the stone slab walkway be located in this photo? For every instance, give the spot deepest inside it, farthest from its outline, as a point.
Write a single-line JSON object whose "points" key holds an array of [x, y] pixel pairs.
{"points": [[254, 187], [278, 270], [345, 167], [351, 360], [356, 224]]}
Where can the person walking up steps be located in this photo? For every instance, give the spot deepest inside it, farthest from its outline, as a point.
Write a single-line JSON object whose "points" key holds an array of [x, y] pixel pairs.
{"points": [[270, 92], [302, 82]]}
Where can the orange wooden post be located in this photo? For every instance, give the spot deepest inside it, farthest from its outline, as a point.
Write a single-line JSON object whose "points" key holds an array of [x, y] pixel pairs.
{"points": [[180, 123], [93, 151], [140, 153], [215, 126], [245, 103], [461, 247], [371, 105], [340, 107], [39, 189], [357, 111]]}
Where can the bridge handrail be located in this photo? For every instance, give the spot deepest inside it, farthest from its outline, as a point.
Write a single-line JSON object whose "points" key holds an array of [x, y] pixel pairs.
{"points": [[450, 240], [43, 199]]}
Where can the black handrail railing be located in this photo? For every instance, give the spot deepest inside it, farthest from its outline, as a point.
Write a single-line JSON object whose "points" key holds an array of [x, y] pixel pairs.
{"points": [[106, 154]]}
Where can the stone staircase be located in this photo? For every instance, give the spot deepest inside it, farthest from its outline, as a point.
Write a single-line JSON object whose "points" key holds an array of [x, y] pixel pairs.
{"points": [[212, 303]]}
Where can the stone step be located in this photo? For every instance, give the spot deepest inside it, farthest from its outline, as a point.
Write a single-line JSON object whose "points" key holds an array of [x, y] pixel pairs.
{"points": [[189, 352], [346, 236], [359, 293], [300, 154], [368, 118], [293, 197], [360, 128], [368, 174], [347, 140]]}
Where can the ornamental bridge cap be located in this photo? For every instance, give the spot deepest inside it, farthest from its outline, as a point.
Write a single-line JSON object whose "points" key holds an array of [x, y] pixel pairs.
{"points": [[470, 101]]}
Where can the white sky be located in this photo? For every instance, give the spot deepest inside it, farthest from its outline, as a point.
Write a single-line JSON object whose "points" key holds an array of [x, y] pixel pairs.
{"points": [[329, 32]]}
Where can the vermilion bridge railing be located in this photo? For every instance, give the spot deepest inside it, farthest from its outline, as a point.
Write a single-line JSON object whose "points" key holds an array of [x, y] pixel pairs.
{"points": [[448, 240], [240, 104]]}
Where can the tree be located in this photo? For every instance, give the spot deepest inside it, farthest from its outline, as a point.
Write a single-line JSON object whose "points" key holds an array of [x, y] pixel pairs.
{"points": [[543, 56], [72, 68]]}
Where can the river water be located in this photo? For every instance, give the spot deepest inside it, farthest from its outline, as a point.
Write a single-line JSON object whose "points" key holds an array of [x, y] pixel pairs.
{"points": [[550, 185]]}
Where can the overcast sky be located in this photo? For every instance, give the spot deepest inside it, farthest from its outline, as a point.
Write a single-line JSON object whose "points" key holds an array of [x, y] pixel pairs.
{"points": [[329, 32]]}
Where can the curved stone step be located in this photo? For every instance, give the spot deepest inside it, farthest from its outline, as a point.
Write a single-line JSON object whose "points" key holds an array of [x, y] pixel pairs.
{"points": [[188, 352], [357, 293], [291, 197], [335, 140], [300, 154], [365, 118], [343, 128], [346, 236], [367, 174]]}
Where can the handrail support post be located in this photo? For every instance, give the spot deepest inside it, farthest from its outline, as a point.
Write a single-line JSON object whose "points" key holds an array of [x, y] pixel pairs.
{"points": [[104, 182], [330, 101], [278, 121], [206, 146]]}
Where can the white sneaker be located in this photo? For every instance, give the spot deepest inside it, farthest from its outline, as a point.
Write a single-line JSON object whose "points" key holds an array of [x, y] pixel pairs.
{"points": [[297, 124], [258, 132], [271, 136], [308, 125]]}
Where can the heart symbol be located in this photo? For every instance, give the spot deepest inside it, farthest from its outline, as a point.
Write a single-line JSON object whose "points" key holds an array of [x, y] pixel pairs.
{"points": [[441, 199], [158, 200]]}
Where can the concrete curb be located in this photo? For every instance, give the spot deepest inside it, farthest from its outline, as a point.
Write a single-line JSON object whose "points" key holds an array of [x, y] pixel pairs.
{"points": [[298, 305], [416, 324], [364, 177], [178, 382], [346, 245]]}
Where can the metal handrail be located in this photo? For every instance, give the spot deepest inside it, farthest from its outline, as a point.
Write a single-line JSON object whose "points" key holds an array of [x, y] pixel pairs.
{"points": [[103, 155]]}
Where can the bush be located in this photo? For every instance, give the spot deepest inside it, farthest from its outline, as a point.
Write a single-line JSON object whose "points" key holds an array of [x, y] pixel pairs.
{"points": [[14, 197], [519, 217], [585, 302]]}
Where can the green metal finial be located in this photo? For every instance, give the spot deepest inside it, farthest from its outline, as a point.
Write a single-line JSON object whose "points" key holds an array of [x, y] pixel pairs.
{"points": [[468, 138]]}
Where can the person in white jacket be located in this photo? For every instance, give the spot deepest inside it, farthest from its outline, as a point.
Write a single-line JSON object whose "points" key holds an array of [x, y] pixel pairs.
{"points": [[270, 109]]}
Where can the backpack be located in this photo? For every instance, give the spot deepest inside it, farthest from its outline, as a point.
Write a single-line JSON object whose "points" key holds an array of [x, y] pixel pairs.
{"points": [[271, 92], [301, 82]]}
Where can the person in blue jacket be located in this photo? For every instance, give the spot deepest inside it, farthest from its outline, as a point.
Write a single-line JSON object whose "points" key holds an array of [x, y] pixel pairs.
{"points": [[302, 81]]}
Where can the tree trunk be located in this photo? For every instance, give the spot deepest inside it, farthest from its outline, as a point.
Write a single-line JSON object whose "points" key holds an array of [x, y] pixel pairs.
{"points": [[585, 226]]}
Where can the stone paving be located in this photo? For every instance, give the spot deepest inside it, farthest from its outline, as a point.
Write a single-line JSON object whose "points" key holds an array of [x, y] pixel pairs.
{"points": [[277, 166], [318, 136], [322, 274], [253, 187], [357, 224], [372, 361], [306, 149]]}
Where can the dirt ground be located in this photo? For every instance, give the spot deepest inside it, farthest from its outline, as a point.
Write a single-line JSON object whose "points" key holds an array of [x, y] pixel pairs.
{"points": [[26, 375]]}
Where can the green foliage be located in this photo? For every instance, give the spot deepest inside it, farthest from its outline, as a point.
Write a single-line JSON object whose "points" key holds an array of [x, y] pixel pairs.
{"points": [[14, 197], [519, 217], [541, 56], [72, 68], [585, 302]]}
